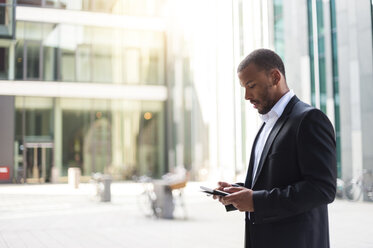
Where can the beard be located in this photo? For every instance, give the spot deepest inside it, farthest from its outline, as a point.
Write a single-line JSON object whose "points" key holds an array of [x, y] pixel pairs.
{"points": [[265, 106]]}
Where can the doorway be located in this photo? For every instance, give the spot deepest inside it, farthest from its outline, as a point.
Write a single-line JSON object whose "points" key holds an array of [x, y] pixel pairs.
{"points": [[38, 161]]}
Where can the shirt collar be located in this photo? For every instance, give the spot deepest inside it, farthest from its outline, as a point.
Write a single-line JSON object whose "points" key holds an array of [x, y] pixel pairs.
{"points": [[279, 107]]}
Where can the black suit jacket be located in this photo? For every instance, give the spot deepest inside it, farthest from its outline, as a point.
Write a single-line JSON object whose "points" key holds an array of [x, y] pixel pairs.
{"points": [[295, 180]]}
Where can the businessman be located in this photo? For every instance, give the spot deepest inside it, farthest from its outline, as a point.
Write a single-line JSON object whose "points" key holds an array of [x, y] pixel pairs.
{"points": [[292, 170]]}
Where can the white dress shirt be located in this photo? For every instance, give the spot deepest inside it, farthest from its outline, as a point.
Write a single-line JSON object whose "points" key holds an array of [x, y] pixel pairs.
{"points": [[270, 119]]}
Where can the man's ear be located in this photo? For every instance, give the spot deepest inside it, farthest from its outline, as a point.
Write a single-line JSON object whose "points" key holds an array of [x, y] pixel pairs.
{"points": [[276, 76]]}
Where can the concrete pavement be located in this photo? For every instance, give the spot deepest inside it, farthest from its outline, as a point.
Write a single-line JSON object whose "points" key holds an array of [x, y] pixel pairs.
{"points": [[37, 216]]}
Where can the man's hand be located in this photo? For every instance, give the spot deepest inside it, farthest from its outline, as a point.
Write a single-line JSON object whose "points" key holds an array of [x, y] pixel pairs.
{"points": [[221, 187], [240, 197]]}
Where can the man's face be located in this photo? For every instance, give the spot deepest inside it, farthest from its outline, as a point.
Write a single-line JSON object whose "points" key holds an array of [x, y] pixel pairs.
{"points": [[259, 88]]}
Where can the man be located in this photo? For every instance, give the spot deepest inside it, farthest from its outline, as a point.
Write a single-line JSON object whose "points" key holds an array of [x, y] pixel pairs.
{"points": [[292, 171]]}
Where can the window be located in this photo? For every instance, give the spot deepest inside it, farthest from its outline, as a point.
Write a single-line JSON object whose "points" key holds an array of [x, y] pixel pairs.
{"points": [[127, 7], [6, 19], [83, 63], [67, 65], [371, 16], [337, 123], [279, 27], [317, 53], [29, 2], [102, 64], [4, 58], [73, 53], [33, 60], [311, 51]]}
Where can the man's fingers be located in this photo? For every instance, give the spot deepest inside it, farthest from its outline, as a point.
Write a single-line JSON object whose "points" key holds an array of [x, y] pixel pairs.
{"points": [[228, 199], [222, 200], [224, 184], [232, 189], [233, 197]]}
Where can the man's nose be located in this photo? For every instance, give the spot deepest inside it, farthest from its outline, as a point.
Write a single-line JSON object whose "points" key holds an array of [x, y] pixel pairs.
{"points": [[247, 94]]}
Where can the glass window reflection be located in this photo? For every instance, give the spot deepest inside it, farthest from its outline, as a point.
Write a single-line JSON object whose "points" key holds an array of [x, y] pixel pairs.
{"points": [[29, 2], [72, 53], [6, 19], [32, 60], [19, 48], [67, 65], [101, 64], [124, 138], [83, 63], [126, 7], [4, 62]]}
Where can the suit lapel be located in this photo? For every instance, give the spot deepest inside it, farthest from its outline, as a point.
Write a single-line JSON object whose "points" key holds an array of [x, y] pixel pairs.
{"points": [[249, 174], [273, 134]]}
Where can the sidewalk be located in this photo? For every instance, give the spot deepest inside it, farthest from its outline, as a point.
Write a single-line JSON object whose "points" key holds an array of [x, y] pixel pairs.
{"points": [[37, 216]]}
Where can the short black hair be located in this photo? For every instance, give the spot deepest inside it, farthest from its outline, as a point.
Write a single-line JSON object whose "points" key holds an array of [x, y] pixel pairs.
{"points": [[263, 58]]}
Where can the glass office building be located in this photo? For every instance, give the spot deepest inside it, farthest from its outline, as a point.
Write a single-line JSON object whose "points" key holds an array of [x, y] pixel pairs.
{"points": [[140, 86], [128, 87], [328, 53], [86, 82]]}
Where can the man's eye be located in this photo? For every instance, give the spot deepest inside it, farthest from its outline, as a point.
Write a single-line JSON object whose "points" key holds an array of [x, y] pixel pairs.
{"points": [[251, 86]]}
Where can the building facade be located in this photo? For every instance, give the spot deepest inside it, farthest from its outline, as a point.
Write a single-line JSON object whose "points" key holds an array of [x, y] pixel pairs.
{"points": [[129, 87], [132, 87], [327, 48], [214, 127], [82, 85]]}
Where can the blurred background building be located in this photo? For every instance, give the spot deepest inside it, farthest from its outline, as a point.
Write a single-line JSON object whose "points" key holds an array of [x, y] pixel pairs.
{"points": [[86, 87], [327, 48], [132, 87]]}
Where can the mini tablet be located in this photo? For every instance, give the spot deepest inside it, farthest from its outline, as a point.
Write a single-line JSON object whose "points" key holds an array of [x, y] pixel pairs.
{"points": [[213, 191]]}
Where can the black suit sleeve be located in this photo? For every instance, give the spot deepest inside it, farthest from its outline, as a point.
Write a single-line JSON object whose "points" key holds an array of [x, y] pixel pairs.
{"points": [[316, 160]]}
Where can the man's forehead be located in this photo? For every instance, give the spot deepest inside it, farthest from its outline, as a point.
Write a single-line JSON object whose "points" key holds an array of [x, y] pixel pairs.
{"points": [[246, 74], [248, 71]]}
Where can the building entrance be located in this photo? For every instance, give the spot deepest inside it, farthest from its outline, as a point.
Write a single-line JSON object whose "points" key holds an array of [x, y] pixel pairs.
{"points": [[38, 162]]}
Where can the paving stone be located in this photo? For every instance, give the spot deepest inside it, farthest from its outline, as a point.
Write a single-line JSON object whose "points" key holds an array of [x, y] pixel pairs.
{"points": [[54, 216]]}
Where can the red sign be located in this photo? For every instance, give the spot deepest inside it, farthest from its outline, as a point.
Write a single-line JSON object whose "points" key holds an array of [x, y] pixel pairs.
{"points": [[4, 173]]}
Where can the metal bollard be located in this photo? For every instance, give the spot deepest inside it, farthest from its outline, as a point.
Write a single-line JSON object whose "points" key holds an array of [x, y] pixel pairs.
{"points": [[105, 193], [74, 177], [164, 199]]}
